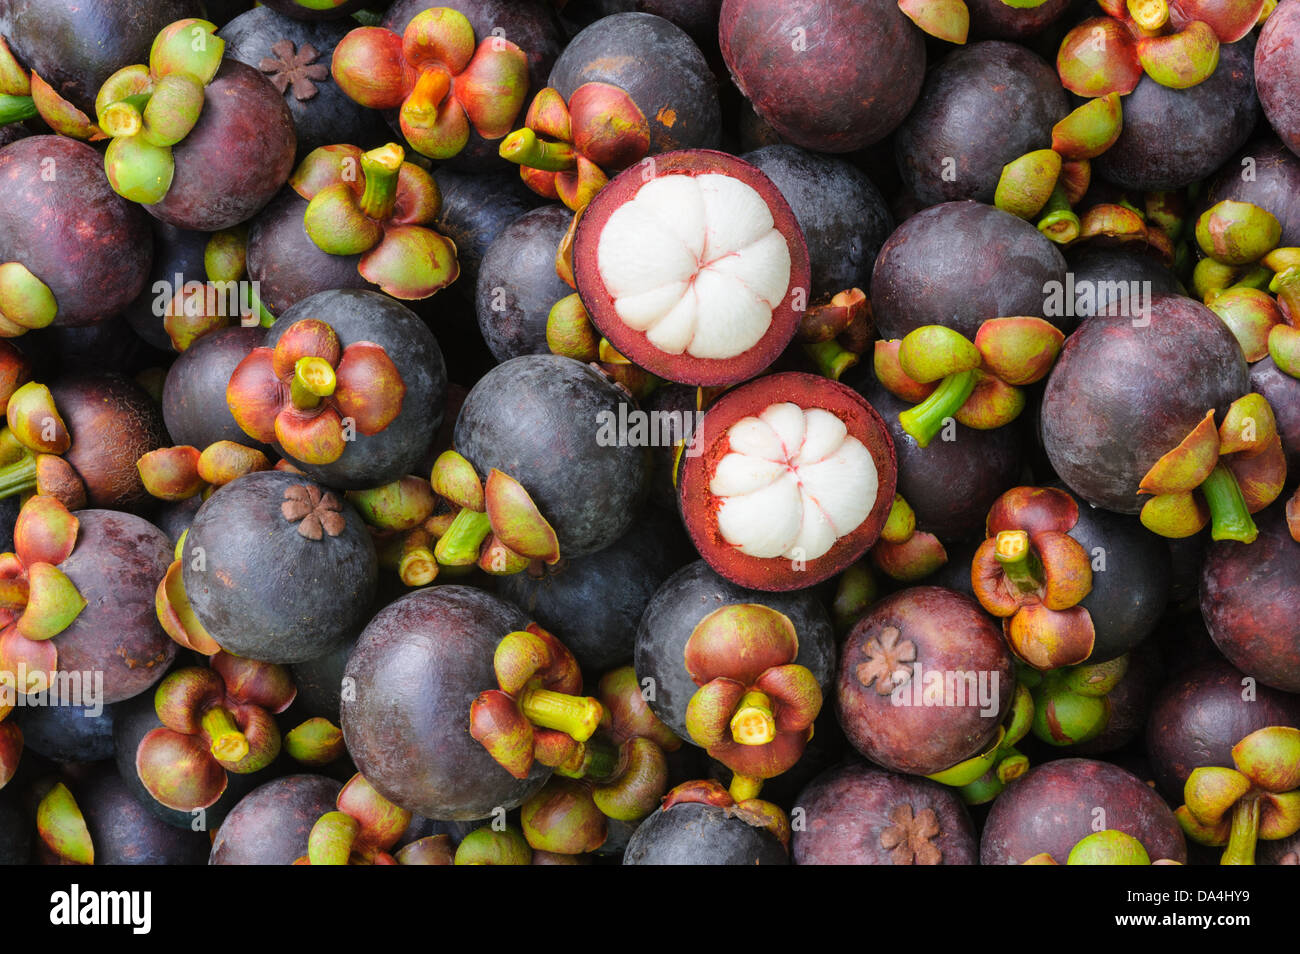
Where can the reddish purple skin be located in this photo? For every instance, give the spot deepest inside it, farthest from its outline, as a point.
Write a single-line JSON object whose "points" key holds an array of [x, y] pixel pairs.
{"points": [[270, 824], [847, 808], [857, 76], [88, 244], [993, 19], [1055, 806], [1277, 72], [287, 263], [1283, 395], [1120, 396], [116, 565], [951, 633], [1250, 598], [194, 393], [125, 832], [235, 158], [1274, 184], [1199, 716]]}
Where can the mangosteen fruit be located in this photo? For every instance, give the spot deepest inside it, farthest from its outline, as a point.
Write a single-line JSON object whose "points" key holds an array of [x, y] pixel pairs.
{"points": [[982, 106], [1056, 805], [998, 20], [270, 824], [1250, 598], [1267, 174], [124, 832], [842, 214], [1125, 392], [924, 681], [408, 688], [1128, 705], [831, 79], [194, 391], [788, 480], [1201, 713], [856, 814], [691, 832], [475, 210], [1277, 73], [518, 285], [1114, 281], [694, 267], [279, 569], [961, 263], [177, 252], [1174, 137], [1283, 395], [74, 252], [66, 732], [548, 422], [374, 364]]}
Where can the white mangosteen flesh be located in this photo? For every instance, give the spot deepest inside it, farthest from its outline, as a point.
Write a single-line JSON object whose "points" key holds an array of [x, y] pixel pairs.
{"points": [[696, 263], [792, 483]]}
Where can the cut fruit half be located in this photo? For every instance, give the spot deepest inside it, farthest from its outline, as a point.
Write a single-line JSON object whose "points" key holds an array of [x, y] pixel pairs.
{"points": [[790, 481], [693, 266]]}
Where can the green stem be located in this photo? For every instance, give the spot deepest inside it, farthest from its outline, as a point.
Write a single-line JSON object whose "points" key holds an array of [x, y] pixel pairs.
{"points": [[983, 790], [18, 477], [601, 761], [459, 546], [745, 787], [524, 148], [1018, 560], [381, 167], [831, 358], [1229, 518], [313, 381], [15, 109], [126, 116], [1245, 832], [575, 716], [925, 420], [1058, 221], [228, 743], [752, 722]]}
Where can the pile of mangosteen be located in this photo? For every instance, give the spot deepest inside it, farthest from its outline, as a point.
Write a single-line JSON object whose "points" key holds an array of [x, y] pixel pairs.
{"points": [[650, 432]]}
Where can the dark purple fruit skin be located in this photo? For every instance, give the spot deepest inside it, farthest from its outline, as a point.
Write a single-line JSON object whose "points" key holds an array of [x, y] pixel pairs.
{"points": [[175, 251], [242, 593], [950, 484], [416, 669], [285, 261], [1275, 185], [116, 566], [1132, 590], [866, 51], [194, 392], [270, 825], [326, 117], [950, 632], [1109, 274], [959, 264], [517, 283], [692, 833], [996, 20], [844, 218], [594, 603], [319, 682], [1283, 394], [677, 607], [1054, 807], [1200, 714], [1130, 704], [535, 418], [1120, 396], [529, 24], [235, 158], [983, 106], [1250, 598], [363, 315], [1283, 852], [88, 244], [15, 834], [77, 44], [678, 94], [847, 808], [68, 733], [1173, 137], [699, 18], [124, 832], [475, 209], [1277, 72], [113, 423]]}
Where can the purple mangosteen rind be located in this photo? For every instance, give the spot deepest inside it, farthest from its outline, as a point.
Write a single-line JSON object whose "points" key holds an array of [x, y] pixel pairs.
{"points": [[694, 833], [686, 598], [700, 506], [193, 399], [124, 832], [635, 345], [371, 460], [893, 652], [270, 825], [236, 552], [475, 210], [1057, 804], [1277, 74], [417, 668]]}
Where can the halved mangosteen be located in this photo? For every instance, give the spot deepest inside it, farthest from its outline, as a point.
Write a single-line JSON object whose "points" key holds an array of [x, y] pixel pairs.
{"points": [[788, 481], [693, 265]]}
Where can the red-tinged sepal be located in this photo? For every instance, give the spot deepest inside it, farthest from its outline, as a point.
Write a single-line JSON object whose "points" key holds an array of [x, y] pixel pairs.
{"points": [[740, 642], [62, 827], [516, 521], [45, 531], [497, 723]]}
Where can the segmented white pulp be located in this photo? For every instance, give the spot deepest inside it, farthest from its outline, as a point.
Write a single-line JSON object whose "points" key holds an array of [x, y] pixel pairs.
{"points": [[793, 483], [696, 263]]}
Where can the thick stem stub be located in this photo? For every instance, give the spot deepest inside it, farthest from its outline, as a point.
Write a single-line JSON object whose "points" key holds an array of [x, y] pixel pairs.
{"points": [[576, 716], [1229, 517], [1244, 834], [925, 421], [381, 167], [1018, 560], [752, 723], [228, 743]]}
